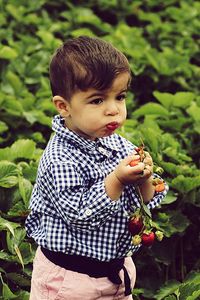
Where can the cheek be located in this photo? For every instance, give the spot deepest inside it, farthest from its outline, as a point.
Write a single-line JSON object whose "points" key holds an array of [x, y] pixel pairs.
{"points": [[124, 112], [87, 120]]}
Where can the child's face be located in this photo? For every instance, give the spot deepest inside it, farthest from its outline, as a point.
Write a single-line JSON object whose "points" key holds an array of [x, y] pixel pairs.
{"points": [[93, 113]]}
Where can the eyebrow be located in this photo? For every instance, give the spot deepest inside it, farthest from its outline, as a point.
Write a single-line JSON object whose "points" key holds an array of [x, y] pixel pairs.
{"points": [[97, 94]]}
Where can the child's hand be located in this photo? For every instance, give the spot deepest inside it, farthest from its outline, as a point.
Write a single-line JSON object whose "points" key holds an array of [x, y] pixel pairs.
{"points": [[148, 162], [137, 173]]}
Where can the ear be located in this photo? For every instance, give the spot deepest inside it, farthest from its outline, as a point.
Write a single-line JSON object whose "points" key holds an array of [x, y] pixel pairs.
{"points": [[62, 106]]}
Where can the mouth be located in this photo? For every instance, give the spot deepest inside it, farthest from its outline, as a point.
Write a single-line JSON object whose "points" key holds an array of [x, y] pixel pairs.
{"points": [[112, 126]]}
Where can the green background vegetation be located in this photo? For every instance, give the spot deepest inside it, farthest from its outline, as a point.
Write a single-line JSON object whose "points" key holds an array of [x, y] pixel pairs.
{"points": [[162, 42]]}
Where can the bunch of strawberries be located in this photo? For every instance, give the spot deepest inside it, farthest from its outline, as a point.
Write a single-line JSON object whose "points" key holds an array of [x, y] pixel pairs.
{"points": [[141, 226]]}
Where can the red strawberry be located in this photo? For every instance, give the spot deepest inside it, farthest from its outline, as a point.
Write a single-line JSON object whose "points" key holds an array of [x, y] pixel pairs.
{"points": [[160, 187], [148, 238], [137, 149], [134, 162], [135, 225]]}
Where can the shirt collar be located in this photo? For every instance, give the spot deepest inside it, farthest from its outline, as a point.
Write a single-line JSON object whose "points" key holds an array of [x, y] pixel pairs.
{"points": [[73, 138]]}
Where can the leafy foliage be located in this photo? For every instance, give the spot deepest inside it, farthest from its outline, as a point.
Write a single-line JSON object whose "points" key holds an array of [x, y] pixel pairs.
{"points": [[161, 41]]}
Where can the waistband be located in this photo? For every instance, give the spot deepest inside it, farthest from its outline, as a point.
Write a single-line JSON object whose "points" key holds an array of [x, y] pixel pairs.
{"points": [[91, 267]]}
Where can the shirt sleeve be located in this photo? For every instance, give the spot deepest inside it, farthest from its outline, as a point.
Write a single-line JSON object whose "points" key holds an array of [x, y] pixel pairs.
{"points": [[134, 198], [78, 205], [158, 196]]}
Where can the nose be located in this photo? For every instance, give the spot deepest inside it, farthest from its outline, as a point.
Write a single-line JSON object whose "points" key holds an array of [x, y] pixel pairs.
{"points": [[111, 109]]}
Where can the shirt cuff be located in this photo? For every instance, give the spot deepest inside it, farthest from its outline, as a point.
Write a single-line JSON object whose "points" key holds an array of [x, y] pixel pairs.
{"points": [[158, 197]]}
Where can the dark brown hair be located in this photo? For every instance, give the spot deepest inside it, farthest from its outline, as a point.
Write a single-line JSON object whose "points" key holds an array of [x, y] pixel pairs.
{"points": [[83, 63]]}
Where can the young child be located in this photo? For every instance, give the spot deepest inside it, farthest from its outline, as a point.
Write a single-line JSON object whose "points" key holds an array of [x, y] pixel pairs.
{"points": [[85, 189]]}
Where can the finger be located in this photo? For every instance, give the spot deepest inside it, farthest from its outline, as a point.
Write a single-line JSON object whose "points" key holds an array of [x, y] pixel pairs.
{"points": [[149, 168], [143, 176], [147, 155], [139, 168], [148, 161]]}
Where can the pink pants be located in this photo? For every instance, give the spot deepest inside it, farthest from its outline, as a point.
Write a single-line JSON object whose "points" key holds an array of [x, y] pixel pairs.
{"points": [[51, 282]]}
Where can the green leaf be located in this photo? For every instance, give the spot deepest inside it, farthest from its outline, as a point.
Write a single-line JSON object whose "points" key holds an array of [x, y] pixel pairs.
{"points": [[8, 174], [151, 109], [3, 127], [166, 99], [152, 58], [195, 295], [194, 112], [19, 279], [146, 210], [18, 209], [7, 293], [169, 167], [167, 289], [27, 253], [169, 198], [49, 39], [172, 222], [20, 149], [29, 170], [129, 125], [13, 242], [16, 11], [175, 124], [82, 31], [137, 291], [9, 226], [171, 297], [190, 291], [185, 184], [37, 116], [176, 156], [197, 127], [14, 81], [19, 255], [23, 295], [180, 99], [193, 277], [13, 106], [7, 52], [150, 121], [151, 138], [25, 188], [8, 257], [183, 99], [8, 181]]}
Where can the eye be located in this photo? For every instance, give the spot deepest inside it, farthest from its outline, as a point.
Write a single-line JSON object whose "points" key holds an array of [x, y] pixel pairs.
{"points": [[97, 101], [121, 97]]}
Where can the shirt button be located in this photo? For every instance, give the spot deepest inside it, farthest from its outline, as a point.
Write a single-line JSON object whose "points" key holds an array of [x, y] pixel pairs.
{"points": [[88, 212], [130, 253]]}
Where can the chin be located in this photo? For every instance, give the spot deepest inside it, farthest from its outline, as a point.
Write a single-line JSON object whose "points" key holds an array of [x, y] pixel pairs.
{"points": [[108, 133]]}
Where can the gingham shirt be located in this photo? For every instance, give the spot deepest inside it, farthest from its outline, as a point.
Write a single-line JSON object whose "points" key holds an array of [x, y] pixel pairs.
{"points": [[70, 209]]}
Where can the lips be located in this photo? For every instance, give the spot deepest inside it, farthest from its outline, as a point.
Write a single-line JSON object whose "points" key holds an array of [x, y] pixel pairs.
{"points": [[112, 126]]}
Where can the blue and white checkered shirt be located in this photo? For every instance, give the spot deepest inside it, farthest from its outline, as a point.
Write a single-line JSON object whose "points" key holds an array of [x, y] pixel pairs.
{"points": [[70, 209]]}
